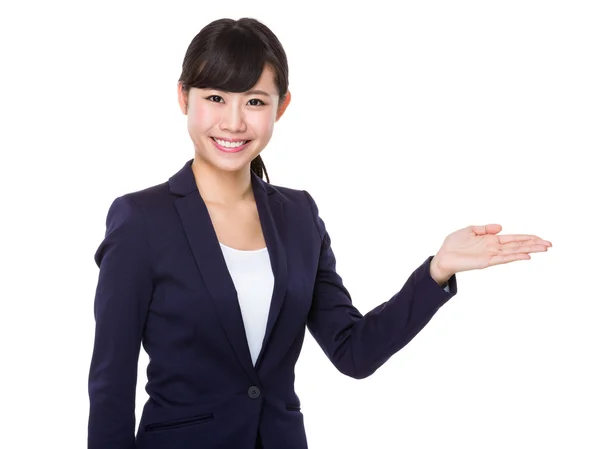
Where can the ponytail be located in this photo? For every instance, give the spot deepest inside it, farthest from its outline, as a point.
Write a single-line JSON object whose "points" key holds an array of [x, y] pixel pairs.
{"points": [[258, 167]]}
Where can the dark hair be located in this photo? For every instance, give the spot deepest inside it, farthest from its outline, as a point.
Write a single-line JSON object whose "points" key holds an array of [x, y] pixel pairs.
{"points": [[230, 55]]}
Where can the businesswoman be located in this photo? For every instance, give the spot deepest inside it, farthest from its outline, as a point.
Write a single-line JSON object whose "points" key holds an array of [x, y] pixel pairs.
{"points": [[218, 273]]}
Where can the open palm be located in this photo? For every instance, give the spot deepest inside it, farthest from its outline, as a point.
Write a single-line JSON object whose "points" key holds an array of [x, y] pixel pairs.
{"points": [[477, 247]]}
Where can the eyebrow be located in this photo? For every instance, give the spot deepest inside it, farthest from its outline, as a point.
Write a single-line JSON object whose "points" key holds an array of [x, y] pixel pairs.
{"points": [[257, 92]]}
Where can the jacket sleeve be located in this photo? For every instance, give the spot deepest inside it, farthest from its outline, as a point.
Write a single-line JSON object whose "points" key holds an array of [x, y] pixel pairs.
{"points": [[358, 345], [123, 292]]}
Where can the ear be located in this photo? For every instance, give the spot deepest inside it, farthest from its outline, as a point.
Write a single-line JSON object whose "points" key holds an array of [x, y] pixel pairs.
{"points": [[284, 104], [182, 98]]}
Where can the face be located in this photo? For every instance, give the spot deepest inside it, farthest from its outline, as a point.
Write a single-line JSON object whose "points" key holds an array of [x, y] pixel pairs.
{"points": [[230, 129]]}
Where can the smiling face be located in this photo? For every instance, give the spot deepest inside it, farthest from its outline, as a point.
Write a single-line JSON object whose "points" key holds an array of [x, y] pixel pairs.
{"points": [[229, 129]]}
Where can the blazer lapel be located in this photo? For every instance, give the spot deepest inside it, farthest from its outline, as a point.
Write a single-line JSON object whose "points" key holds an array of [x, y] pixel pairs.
{"points": [[270, 211], [209, 258]]}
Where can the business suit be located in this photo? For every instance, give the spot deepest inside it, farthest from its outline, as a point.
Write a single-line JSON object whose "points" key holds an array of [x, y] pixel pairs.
{"points": [[163, 281]]}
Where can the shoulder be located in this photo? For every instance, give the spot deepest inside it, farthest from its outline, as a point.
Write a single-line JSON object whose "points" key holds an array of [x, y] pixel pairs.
{"points": [[151, 194], [291, 196], [146, 200], [301, 208]]}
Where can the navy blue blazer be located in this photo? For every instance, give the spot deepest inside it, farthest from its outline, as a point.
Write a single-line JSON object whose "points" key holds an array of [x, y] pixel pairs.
{"points": [[163, 283]]}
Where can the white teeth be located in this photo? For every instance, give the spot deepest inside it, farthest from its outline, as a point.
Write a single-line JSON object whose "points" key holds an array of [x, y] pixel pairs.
{"points": [[225, 143]]}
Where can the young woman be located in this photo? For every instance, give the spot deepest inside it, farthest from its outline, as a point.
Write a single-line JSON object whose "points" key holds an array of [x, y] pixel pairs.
{"points": [[218, 273]]}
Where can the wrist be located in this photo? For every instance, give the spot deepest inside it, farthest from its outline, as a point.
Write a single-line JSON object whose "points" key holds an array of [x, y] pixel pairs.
{"points": [[437, 273]]}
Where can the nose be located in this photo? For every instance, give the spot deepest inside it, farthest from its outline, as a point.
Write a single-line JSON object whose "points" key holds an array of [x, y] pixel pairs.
{"points": [[232, 119]]}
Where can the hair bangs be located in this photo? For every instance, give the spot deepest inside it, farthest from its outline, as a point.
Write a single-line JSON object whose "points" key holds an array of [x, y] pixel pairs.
{"points": [[234, 62]]}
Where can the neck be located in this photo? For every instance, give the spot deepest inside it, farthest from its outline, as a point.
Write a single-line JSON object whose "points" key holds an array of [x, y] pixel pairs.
{"points": [[223, 187]]}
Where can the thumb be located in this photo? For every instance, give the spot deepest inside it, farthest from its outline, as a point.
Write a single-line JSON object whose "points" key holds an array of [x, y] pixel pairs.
{"points": [[487, 229]]}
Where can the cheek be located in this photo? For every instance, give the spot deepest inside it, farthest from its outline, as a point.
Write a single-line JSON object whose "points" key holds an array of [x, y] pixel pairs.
{"points": [[263, 124], [202, 118]]}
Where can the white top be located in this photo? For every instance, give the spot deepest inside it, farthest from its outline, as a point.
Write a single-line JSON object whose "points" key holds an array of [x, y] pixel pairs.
{"points": [[253, 279]]}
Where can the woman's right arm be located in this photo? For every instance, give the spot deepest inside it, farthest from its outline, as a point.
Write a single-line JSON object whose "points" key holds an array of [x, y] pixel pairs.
{"points": [[123, 293]]}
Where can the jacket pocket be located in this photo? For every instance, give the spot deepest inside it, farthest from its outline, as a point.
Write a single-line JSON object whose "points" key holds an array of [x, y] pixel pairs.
{"points": [[200, 419], [292, 407]]}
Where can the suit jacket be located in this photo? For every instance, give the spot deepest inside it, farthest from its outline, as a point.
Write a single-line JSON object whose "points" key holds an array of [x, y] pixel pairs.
{"points": [[163, 283]]}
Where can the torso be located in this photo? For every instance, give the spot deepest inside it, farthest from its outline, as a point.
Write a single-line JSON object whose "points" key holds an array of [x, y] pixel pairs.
{"points": [[237, 226]]}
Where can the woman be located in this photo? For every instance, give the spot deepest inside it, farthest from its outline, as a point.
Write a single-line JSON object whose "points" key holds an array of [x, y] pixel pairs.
{"points": [[219, 273]]}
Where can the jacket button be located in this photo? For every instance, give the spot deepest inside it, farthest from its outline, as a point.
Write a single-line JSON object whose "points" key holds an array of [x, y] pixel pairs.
{"points": [[254, 392]]}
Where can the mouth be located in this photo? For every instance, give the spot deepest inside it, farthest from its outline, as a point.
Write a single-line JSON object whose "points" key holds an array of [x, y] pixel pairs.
{"points": [[230, 146]]}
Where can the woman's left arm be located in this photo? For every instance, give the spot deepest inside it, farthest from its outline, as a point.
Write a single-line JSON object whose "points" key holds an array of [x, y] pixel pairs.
{"points": [[358, 345]]}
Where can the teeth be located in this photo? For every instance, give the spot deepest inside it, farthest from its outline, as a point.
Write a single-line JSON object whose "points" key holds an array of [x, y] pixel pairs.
{"points": [[227, 144]]}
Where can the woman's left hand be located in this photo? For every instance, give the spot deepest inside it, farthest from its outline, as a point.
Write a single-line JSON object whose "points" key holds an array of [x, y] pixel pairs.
{"points": [[477, 247]]}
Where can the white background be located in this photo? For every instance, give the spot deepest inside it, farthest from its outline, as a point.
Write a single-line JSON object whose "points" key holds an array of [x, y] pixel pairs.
{"points": [[408, 121]]}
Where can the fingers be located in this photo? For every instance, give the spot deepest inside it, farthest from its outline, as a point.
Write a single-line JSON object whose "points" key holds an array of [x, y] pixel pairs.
{"points": [[519, 250], [525, 246], [523, 249], [506, 258], [486, 229], [510, 238]]}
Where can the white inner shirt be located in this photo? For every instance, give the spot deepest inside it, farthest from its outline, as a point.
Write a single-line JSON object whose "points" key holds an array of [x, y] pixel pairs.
{"points": [[253, 279]]}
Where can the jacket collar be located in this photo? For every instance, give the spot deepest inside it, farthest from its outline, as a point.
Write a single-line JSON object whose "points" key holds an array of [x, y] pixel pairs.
{"points": [[183, 182]]}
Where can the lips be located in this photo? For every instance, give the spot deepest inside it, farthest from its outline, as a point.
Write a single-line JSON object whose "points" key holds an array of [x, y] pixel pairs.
{"points": [[229, 146]]}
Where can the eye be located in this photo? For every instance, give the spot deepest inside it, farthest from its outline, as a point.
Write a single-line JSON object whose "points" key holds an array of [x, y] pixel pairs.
{"points": [[260, 102], [215, 98]]}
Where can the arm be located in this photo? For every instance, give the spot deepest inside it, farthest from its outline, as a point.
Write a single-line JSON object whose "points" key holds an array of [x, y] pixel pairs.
{"points": [[120, 307], [358, 345]]}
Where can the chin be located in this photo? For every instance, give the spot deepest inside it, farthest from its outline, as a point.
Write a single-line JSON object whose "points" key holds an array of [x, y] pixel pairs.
{"points": [[233, 162], [230, 166]]}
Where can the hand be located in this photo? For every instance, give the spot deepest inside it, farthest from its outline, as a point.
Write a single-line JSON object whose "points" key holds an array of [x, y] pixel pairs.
{"points": [[477, 247]]}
